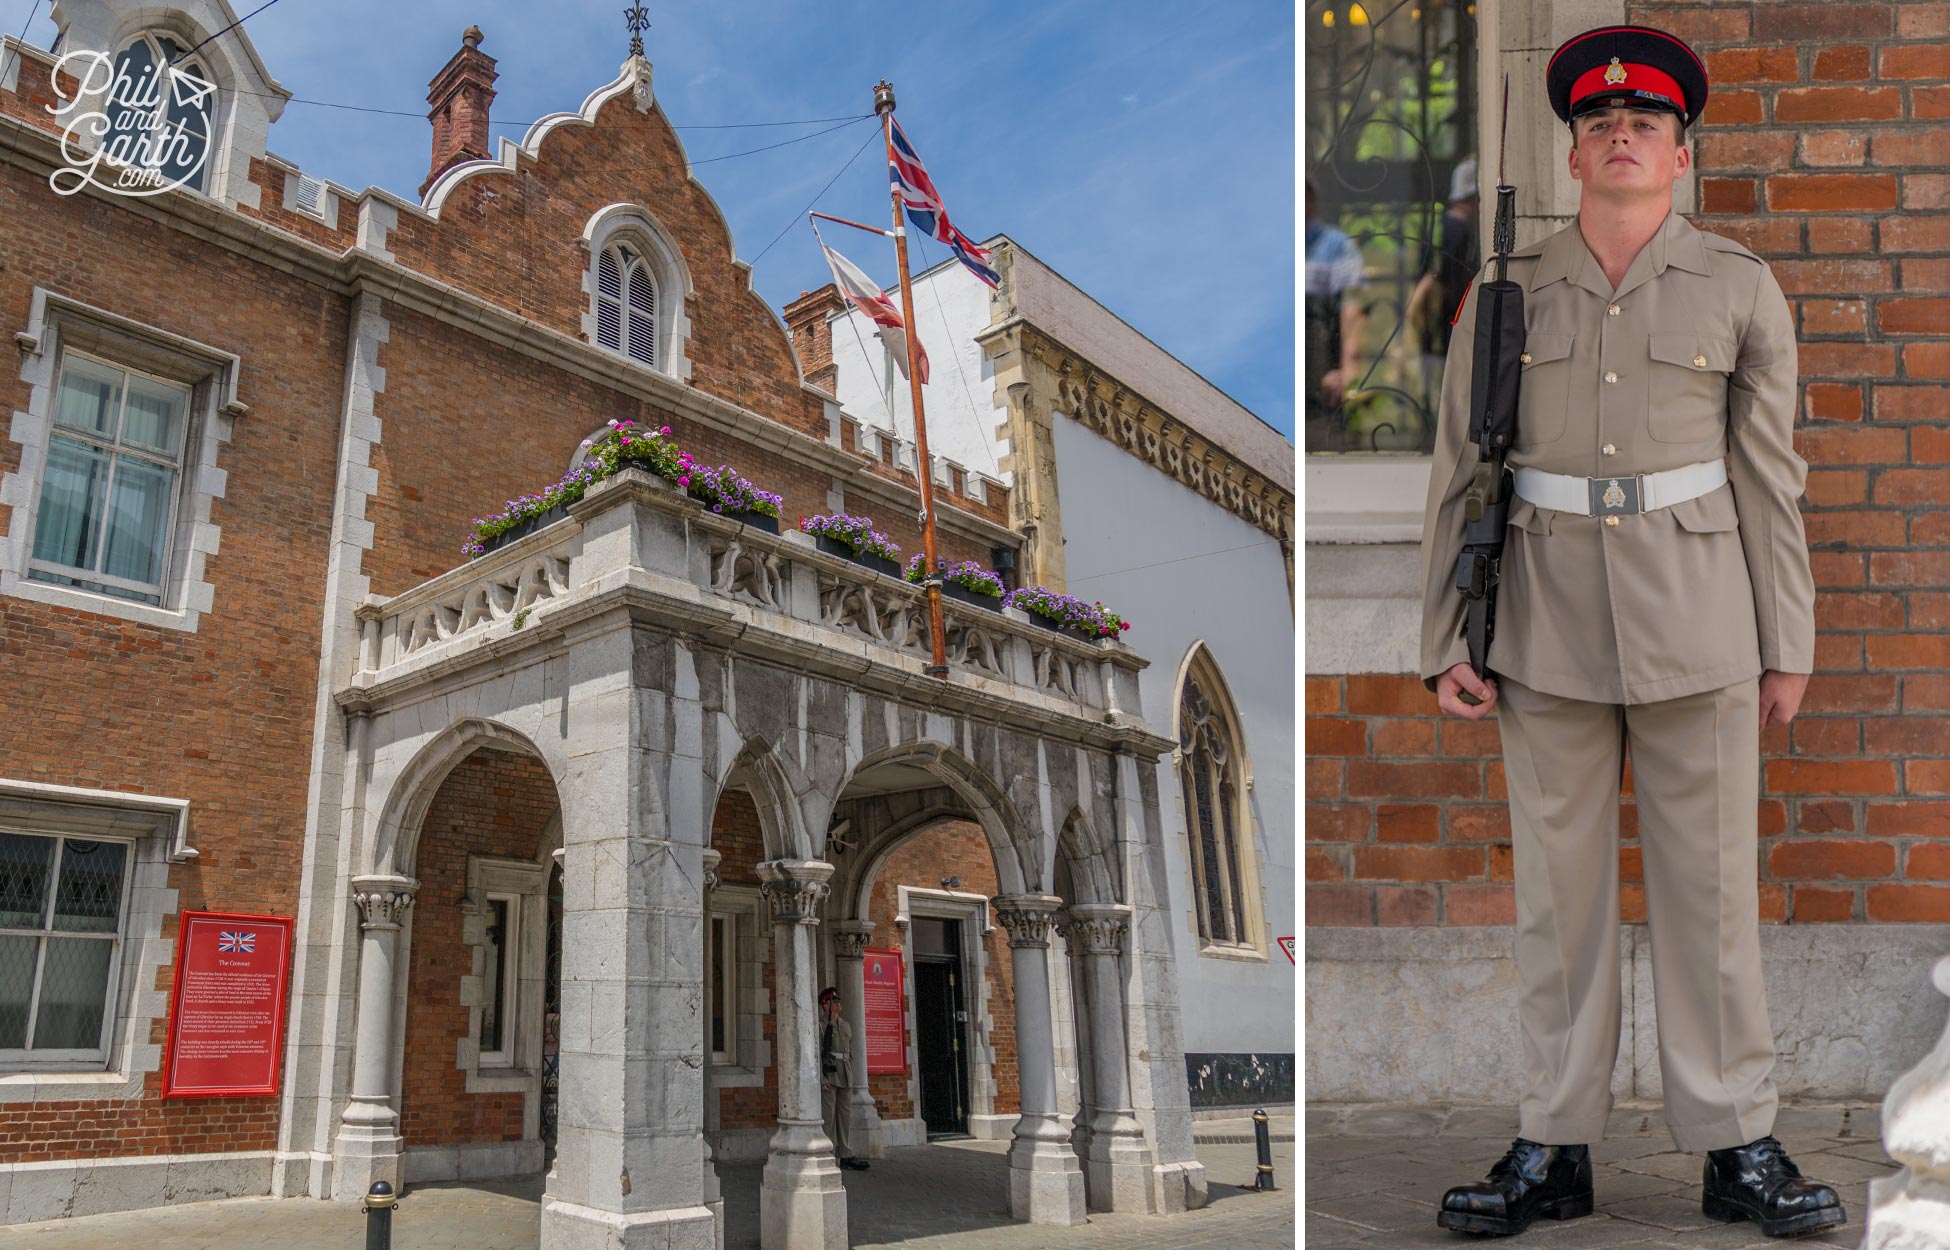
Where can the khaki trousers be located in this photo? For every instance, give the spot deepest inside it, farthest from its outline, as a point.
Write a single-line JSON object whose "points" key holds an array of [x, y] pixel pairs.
{"points": [[1696, 777]]}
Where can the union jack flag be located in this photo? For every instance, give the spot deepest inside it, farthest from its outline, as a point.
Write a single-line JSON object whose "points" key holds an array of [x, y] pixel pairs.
{"points": [[924, 209], [236, 941]]}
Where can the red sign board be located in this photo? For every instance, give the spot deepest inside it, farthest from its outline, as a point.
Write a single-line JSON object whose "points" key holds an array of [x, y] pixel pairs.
{"points": [[226, 1015], [1286, 944], [886, 1013]]}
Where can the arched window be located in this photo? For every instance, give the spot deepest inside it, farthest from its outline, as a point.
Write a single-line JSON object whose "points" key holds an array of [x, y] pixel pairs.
{"points": [[626, 303], [1218, 824], [162, 120]]}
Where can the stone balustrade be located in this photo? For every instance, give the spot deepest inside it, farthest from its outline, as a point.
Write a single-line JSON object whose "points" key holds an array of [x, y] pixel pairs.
{"points": [[640, 538]]}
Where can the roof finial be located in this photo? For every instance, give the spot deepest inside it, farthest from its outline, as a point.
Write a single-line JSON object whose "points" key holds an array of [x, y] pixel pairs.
{"points": [[638, 20]]}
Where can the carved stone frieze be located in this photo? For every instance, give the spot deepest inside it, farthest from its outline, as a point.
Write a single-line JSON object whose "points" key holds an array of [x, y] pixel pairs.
{"points": [[795, 888], [1027, 917], [383, 901]]}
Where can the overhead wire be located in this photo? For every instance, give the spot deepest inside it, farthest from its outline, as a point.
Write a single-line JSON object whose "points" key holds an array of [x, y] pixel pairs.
{"points": [[814, 202], [20, 39]]}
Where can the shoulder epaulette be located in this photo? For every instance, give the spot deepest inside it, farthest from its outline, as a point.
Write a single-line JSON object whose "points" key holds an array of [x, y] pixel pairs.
{"points": [[1720, 243]]}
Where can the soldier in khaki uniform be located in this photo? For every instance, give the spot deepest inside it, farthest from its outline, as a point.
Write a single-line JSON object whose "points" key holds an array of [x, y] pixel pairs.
{"points": [[1656, 601]]}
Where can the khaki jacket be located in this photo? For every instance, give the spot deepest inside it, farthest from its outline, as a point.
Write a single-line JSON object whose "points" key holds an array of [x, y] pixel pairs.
{"points": [[1692, 358]]}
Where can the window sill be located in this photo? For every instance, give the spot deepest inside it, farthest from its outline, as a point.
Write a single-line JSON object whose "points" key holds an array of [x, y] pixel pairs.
{"points": [[1238, 954], [733, 1076], [501, 1079], [14, 586], [1357, 499], [48, 1085]]}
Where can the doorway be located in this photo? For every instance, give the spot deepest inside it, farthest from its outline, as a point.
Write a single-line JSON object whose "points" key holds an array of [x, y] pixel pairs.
{"points": [[940, 1024]]}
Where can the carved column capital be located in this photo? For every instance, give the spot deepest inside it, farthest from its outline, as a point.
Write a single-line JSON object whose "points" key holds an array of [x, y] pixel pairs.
{"points": [[1027, 917], [711, 861], [850, 937], [795, 888], [383, 900], [1098, 928]]}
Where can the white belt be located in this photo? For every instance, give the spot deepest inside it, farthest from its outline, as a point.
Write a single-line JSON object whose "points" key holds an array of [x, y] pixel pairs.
{"points": [[1613, 496]]}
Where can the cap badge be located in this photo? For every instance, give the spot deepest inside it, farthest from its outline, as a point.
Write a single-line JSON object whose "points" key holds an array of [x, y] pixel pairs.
{"points": [[1615, 74]]}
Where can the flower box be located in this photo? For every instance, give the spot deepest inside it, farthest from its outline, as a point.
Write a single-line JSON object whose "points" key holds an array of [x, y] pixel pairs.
{"points": [[845, 551], [522, 529], [757, 520], [1058, 627], [962, 594]]}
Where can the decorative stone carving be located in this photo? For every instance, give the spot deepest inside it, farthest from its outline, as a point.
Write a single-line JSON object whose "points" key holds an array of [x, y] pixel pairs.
{"points": [[795, 888], [850, 938], [1027, 917], [1911, 1210], [383, 901], [1099, 928], [711, 876]]}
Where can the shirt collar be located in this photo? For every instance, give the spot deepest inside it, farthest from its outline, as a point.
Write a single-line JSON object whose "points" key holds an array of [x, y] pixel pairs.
{"points": [[1567, 257]]}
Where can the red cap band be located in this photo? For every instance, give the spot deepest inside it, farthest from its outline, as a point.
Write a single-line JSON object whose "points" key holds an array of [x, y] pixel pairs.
{"points": [[1637, 78]]}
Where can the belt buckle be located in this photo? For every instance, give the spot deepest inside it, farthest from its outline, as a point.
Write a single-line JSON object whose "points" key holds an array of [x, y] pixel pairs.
{"points": [[1616, 496]]}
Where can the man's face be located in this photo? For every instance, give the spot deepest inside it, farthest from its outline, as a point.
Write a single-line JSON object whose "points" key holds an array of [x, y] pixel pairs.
{"points": [[831, 1008], [1627, 153]]}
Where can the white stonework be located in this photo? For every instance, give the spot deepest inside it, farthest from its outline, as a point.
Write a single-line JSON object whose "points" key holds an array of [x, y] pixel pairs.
{"points": [[1911, 1210]]}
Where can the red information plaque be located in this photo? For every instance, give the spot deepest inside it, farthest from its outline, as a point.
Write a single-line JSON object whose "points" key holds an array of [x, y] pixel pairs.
{"points": [[226, 1015], [886, 1013]]}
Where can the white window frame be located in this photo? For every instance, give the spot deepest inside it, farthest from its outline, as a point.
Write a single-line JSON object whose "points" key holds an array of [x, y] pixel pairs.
{"points": [[28, 1057], [510, 979], [1240, 845], [750, 1054], [157, 829], [634, 225], [114, 446], [57, 325]]}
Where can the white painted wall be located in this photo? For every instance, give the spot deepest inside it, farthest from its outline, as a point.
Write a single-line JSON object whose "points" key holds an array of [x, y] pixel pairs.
{"points": [[1182, 570], [950, 306]]}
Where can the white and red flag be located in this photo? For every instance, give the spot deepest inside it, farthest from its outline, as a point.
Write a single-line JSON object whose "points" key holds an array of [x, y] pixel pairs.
{"points": [[864, 294]]}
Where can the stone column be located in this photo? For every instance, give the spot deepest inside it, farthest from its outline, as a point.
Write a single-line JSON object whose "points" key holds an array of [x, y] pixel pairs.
{"points": [[1911, 1210], [1045, 1179], [713, 1192], [850, 938], [1117, 1163], [801, 1200], [368, 1146]]}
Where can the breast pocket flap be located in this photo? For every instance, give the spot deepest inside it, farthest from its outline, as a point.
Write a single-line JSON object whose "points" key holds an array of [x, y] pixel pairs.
{"points": [[1711, 513], [1690, 351], [1541, 349]]}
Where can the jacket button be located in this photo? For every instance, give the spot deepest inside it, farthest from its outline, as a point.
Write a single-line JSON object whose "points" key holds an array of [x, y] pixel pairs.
{"points": [[1610, 376], [1613, 311], [1699, 362], [1610, 449], [1525, 358], [1611, 521]]}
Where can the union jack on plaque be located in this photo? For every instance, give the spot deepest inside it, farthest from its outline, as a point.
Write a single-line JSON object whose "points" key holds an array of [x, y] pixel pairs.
{"points": [[236, 941]]}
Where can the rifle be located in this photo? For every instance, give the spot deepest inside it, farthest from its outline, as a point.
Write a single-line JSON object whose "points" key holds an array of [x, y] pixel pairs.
{"points": [[1492, 425]]}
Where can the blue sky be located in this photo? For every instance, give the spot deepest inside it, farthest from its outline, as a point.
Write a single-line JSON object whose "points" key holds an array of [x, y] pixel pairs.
{"points": [[1142, 149]]}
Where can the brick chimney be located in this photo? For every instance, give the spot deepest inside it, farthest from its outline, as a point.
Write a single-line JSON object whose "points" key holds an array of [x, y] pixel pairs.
{"points": [[461, 94], [812, 334]]}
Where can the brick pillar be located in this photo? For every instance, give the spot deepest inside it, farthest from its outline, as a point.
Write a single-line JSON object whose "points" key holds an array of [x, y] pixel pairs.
{"points": [[460, 96]]}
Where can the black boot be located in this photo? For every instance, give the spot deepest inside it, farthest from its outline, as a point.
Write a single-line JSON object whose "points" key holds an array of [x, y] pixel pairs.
{"points": [[1759, 1182], [1531, 1180]]}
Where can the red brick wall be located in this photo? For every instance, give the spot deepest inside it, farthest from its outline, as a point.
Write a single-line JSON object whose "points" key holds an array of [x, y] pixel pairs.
{"points": [[735, 834], [951, 848], [1824, 148], [493, 803]]}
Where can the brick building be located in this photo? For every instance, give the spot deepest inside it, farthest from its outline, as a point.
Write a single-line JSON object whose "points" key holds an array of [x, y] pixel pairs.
{"points": [[1823, 148], [573, 833]]}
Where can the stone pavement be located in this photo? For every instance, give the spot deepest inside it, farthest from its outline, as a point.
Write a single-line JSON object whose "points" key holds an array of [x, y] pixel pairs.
{"points": [[1375, 1178], [947, 1196]]}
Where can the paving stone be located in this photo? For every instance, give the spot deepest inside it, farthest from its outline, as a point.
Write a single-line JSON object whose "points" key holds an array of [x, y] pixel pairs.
{"points": [[1809, 1122], [1481, 1122], [1615, 1185], [1677, 1165], [1391, 1122], [1617, 1150], [1873, 1151], [1675, 1212], [1837, 1168]]}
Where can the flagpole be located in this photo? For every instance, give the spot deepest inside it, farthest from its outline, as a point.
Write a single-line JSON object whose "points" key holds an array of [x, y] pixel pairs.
{"points": [[883, 104]]}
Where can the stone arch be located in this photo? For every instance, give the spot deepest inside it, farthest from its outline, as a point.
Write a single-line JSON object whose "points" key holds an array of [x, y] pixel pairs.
{"points": [[1017, 863], [1091, 861], [633, 223], [396, 836], [777, 791], [856, 901]]}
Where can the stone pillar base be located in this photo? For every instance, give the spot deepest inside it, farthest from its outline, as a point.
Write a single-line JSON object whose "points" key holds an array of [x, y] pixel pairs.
{"points": [[863, 1125], [571, 1226], [1178, 1187], [360, 1158], [1117, 1170], [1045, 1178], [801, 1198]]}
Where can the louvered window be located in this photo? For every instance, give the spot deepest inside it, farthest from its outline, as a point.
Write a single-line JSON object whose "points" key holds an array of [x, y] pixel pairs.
{"points": [[626, 303]]}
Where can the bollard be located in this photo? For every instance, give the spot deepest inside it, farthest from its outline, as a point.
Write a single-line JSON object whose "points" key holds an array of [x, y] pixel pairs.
{"points": [[1263, 1139], [379, 1216]]}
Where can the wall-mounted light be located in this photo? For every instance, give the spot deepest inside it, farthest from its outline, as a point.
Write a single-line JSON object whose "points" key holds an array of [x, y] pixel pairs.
{"points": [[951, 883]]}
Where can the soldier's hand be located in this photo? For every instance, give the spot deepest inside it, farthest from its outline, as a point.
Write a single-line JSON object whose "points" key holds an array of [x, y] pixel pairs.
{"points": [[1463, 677], [1780, 696]]}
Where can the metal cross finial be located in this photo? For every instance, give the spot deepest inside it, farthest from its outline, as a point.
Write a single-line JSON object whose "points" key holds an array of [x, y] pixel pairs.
{"points": [[637, 18]]}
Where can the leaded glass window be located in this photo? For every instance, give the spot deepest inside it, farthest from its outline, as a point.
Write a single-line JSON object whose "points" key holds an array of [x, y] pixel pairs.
{"points": [[108, 490], [1214, 823], [626, 303], [62, 901]]}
